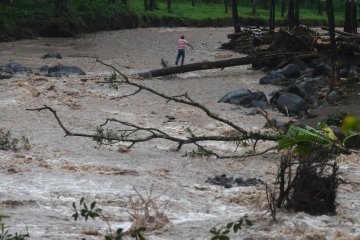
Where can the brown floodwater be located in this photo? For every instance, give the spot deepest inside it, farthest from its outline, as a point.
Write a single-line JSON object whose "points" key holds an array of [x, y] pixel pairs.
{"points": [[39, 185]]}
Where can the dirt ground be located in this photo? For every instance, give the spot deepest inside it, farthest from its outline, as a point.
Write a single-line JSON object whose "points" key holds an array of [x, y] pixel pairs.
{"points": [[39, 185]]}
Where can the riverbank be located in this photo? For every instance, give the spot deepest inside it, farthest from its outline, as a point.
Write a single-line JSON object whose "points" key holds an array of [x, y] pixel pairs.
{"points": [[42, 20]]}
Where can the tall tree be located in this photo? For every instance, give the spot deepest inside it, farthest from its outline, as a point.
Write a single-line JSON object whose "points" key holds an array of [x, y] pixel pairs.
{"points": [[320, 7], [334, 54], [152, 4], [350, 23], [291, 14], [272, 15], [253, 6], [169, 6], [146, 4], [226, 3], [283, 8], [235, 16], [61, 6]]}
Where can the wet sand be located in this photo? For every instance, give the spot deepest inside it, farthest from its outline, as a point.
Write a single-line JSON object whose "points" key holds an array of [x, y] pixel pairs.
{"points": [[42, 182]]}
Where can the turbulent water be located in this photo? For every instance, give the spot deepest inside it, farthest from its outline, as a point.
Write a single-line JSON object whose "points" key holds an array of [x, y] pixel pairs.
{"points": [[39, 185]]}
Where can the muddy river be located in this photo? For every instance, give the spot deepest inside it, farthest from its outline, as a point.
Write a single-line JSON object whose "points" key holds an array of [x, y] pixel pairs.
{"points": [[39, 184]]}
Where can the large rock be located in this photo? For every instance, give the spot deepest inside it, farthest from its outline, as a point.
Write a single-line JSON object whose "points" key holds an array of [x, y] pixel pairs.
{"points": [[290, 103], [306, 91], [322, 69], [246, 98], [62, 70], [272, 77], [290, 71]]}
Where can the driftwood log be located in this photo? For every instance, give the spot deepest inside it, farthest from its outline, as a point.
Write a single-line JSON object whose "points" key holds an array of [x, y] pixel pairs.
{"points": [[226, 63]]}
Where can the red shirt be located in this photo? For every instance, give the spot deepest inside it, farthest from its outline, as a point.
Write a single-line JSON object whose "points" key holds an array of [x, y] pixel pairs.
{"points": [[181, 43]]}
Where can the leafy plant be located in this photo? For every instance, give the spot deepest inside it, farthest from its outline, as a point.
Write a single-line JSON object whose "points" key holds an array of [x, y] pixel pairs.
{"points": [[92, 211], [223, 232], [7, 141], [5, 235]]}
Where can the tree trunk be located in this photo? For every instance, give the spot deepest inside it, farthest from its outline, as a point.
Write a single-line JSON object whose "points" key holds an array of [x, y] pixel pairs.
{"points": [[350, 24], [320, 8], [222, 64], [283, 8], [296, 13], [334, 55], [152, 4], [61, 6], [272, 15], [193, 3], [169, 6], [235, 16], [253, 6], [146, 4], [226, 5], [291, 14]]}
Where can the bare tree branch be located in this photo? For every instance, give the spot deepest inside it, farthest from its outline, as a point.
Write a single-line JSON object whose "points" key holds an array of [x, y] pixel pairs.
{"points": [[131, 133]]}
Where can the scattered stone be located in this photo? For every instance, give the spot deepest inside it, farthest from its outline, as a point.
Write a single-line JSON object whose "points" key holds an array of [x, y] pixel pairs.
{"points": [[169, 119], [62, 70], [52, 55], [246, 98], [5, 75], [230, 182], [13, 68], [333, 97], [354, 74]]}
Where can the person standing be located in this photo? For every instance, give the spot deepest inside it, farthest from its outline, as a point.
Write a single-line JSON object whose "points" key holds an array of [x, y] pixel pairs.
{"points": [[181, 50]]}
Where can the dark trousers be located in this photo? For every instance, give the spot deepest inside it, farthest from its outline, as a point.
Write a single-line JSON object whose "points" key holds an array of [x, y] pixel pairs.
{"points": [[181, 54]]}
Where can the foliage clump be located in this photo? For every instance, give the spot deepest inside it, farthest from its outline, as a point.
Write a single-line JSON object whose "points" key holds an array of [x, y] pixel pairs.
{"points": [[8, 142], [6, 235]]}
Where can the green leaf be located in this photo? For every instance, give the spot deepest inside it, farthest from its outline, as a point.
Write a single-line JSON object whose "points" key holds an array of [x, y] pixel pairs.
{"points": [[82, 200], [92, 205], [236, 228], [224, 238], [351, 137], [229, 225], [297, 135]]}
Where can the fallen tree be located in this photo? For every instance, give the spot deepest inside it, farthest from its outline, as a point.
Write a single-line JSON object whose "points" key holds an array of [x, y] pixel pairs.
{"points": [[278, 56]]}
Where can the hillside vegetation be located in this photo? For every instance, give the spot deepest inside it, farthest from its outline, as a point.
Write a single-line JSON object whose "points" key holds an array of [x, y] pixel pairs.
{"points": [[23, 19]]}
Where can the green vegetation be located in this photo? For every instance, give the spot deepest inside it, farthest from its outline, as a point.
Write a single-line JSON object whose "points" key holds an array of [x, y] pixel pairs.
{"points": [[44, 17], [6, 235], [93, 212], [223, 232], [8, 142]]}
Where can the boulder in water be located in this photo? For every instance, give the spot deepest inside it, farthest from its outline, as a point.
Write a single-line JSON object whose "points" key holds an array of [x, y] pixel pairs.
{"points": [[246, 98], [52, 55], [62, 70], [290, 103]]}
